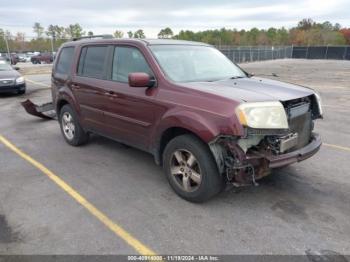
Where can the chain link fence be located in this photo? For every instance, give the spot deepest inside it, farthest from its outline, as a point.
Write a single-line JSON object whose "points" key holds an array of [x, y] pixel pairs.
{"points": [[242, 54], [322, 52]]}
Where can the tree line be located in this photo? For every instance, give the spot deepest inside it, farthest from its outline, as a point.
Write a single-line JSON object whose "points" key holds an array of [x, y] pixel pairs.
{"points": [[306, 32]]}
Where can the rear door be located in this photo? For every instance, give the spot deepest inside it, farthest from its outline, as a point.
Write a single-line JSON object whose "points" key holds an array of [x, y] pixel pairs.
{"points": [[88, 85]]}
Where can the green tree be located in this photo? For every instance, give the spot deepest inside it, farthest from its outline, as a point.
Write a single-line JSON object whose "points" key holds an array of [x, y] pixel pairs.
{"points": [[130, 34], [139, 34], [55, 31], [282, 36], [2, 41], [118, 34], [74, 30], [38, 29], [327, 25], [60, 31], [271, 35], [90, 33], [252, 36], [263, 38], [51, 31], [306, 24], [166, 33], [337, 27]]}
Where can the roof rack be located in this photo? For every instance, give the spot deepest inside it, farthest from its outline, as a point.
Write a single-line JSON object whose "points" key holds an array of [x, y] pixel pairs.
{"points": [[93, 36]]}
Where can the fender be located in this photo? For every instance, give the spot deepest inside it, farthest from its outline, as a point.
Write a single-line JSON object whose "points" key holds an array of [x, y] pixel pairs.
{"points": [[204, 128], [66, 94]]}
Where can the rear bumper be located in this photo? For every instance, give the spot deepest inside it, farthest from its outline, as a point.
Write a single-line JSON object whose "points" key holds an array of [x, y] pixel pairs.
{"points": [[13, 88], [274, 161]]}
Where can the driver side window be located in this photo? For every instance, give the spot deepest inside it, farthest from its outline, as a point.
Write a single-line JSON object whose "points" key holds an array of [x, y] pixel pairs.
{"points": [[128, 60]]}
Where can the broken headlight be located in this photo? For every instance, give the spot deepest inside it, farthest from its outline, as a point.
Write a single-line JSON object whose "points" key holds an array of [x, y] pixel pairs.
{"points": [[262, 115]]}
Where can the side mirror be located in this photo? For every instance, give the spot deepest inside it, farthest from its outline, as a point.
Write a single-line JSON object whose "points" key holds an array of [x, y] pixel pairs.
{"points": [[16, 68], [250, 74], [140, 79]]}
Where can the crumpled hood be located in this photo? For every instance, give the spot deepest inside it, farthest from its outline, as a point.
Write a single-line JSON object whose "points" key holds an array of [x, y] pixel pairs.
{"points": [[252, 89]]}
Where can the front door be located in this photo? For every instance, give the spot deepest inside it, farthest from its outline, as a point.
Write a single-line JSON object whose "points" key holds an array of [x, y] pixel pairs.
{"points": [[129, 112]]}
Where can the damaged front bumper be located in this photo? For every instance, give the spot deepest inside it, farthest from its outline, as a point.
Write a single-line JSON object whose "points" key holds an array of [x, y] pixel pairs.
{"points": [[243, 168], [274, 161]]}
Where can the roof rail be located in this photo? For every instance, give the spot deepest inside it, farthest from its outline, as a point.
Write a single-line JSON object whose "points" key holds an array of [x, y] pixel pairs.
{"points": [[93, 36]]}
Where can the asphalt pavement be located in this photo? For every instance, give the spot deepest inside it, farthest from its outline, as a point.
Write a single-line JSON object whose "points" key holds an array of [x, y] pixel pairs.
{"points": [[302, 207]]}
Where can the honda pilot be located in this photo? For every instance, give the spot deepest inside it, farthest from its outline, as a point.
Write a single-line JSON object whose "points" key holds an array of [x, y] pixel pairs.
{"points": [[206, 121]]}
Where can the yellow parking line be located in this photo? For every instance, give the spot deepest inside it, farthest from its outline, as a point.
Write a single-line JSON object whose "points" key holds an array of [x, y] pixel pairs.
{"points": [[37, 83], [337, 147], [118, 230]]}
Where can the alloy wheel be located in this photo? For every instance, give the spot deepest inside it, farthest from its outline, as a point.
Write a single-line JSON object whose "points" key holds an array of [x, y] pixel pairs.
{"points": [[185, 170], [68, 125]]}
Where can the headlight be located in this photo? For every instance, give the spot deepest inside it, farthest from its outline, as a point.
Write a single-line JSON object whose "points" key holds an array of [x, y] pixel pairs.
{"points": [[319, 103], [20, 80], [267, 115]]}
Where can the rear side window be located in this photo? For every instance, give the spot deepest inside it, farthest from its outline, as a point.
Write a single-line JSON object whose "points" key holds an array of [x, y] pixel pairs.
{"points": [[128, 60], [92, 61], [65, 61]]}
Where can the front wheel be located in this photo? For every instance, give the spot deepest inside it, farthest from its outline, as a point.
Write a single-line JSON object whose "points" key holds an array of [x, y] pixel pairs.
{"points": [[191, 169], [71, 130]]}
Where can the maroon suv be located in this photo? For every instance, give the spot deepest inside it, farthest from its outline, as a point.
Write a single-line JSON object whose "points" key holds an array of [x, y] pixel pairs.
{"points": [[42, 58], [204, 119]]}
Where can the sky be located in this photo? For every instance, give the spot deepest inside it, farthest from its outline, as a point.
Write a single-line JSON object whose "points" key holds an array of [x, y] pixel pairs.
{"points": [[106, 16]]}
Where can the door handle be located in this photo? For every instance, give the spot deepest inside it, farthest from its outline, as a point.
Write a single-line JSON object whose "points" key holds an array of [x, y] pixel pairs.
{"points": [[111, 93]]}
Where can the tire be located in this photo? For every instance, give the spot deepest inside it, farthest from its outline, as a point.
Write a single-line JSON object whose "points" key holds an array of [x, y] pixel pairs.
{"points": [[71, 130], [203, 163]]}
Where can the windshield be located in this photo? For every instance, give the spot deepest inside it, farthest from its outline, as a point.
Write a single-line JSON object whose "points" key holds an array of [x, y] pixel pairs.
{"points": [[186, 63], [5, 67]]}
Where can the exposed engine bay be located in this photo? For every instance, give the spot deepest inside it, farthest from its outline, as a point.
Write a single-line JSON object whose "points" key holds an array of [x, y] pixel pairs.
{"points": [[244, 160]]}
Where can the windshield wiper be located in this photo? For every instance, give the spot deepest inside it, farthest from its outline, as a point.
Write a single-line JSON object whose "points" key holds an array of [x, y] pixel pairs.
{"points": [[215, 80], [236, 77], [272, 74]]}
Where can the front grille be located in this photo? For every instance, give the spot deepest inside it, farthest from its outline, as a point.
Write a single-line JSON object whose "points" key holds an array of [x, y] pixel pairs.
{"points": [[7, 82], [300, 121]]}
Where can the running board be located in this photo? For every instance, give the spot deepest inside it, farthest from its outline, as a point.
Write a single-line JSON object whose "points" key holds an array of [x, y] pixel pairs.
{"points": [[45, 111]]}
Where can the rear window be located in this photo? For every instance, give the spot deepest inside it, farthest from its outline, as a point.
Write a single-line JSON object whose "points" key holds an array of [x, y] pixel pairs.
{"points": [[92, 61], [65, 61]]}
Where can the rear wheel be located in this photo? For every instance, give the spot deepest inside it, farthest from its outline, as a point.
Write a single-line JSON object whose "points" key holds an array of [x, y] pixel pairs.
{"points": [[191, 169], [71, 130]]}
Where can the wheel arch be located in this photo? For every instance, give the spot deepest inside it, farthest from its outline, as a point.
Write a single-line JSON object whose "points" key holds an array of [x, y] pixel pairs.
{"points": [[60, 104], [181, 123], [65, 96]]}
